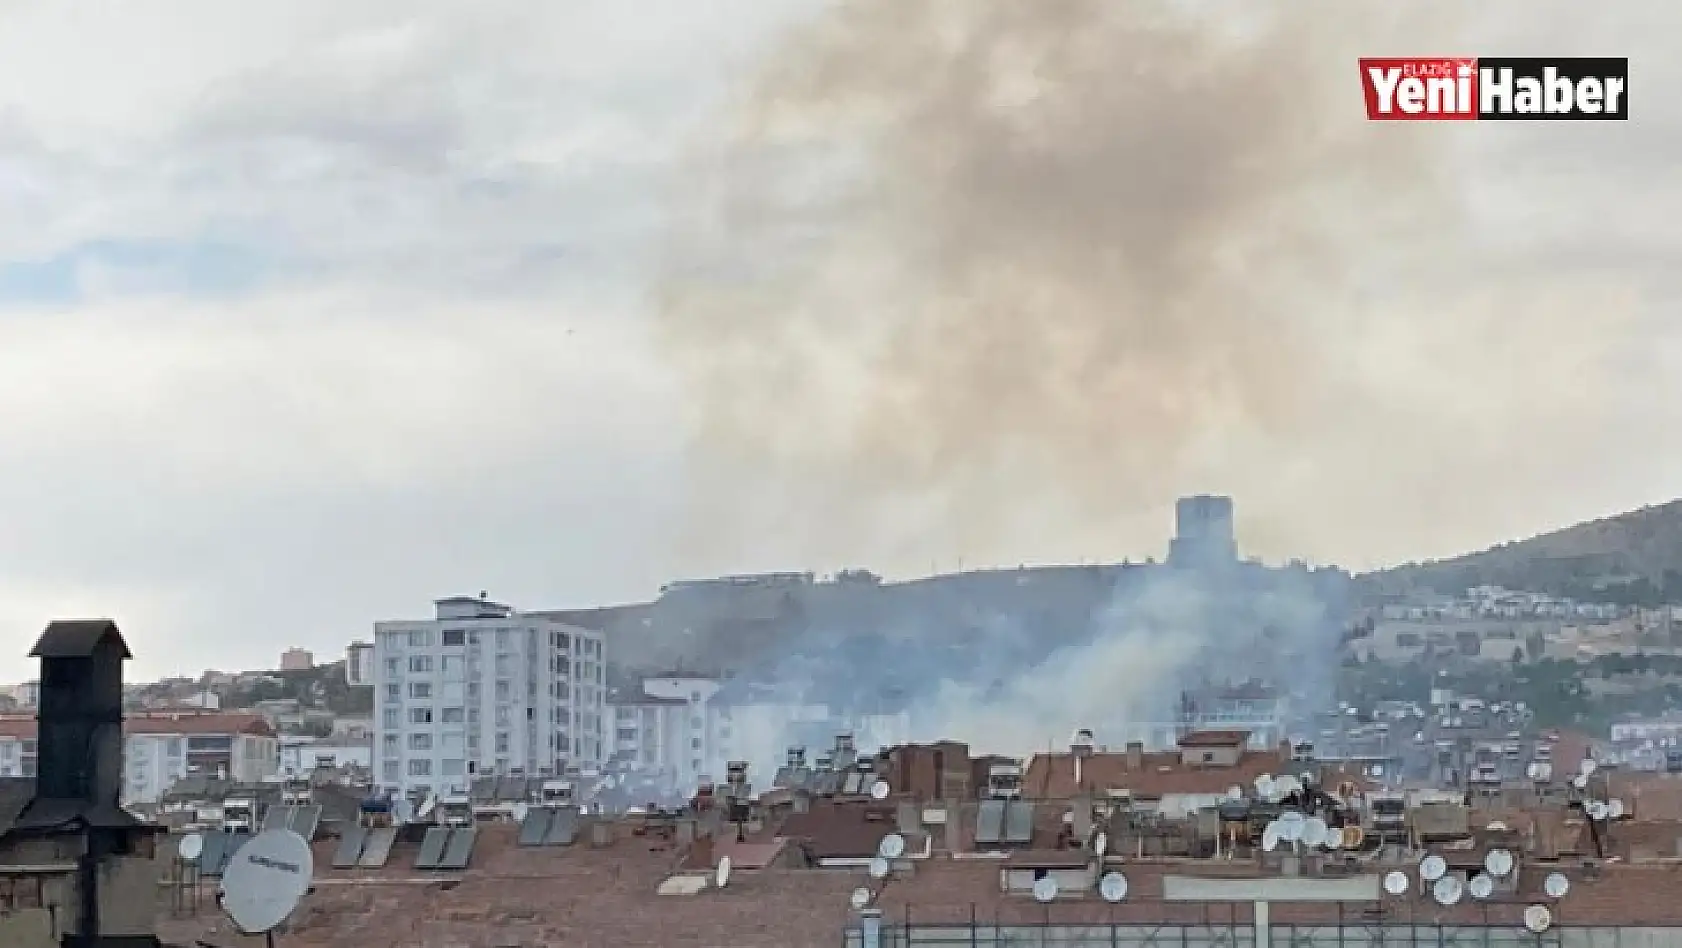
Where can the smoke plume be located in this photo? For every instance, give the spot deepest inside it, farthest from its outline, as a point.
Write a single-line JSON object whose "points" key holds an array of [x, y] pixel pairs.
{"points": [[1002, 278]]}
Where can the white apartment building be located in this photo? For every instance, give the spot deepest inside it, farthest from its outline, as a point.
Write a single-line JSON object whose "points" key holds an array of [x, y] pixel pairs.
{"points": [[161, 747], [670, 725], [482, 689], [299, 755]]}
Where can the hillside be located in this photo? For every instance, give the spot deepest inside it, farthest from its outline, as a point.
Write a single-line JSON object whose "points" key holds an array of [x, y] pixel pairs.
{"points": [[1633, 558]]}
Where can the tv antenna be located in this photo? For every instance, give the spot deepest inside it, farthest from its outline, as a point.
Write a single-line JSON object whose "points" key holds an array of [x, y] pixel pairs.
{"points": [[1113, 887], [1481, 887], [1396, 882], [190, 847], [1556, 885], [860, 897], [1432, 867], [721, 875], [265, 881], [1498, 863], [880, 790], [1448, 890], [1537, 918], [892, 846], [1045, 889], [879, 868]]}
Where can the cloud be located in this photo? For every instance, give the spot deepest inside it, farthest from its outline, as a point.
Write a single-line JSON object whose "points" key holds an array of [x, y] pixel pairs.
{"points": [[310, 311]]}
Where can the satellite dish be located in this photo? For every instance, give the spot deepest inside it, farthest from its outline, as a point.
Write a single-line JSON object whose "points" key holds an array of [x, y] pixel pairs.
{"points": [[1396, 883], [879, 790], [1045, 889], [1432, 867], [1556, 885], [1290, 825], [860, 897], [879, 868], [1286, 785], [1596, 811], [1113, 887], [892, 847], [265, 879], [190, 847], [1579, 781], [1498, 863], [1587, 767], [721, 875], [1447, 890], [1101, 844], [520, 812], [1314, 831], [1615, 809], [1481, 887], [1264, 786], [1353, 836], [1235, 793], [1270, 837], [1537, 918]]}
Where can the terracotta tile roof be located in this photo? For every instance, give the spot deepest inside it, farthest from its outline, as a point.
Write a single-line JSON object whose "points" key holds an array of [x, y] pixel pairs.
{"points": [[834, 830], [1051, 776], [24, 726]]}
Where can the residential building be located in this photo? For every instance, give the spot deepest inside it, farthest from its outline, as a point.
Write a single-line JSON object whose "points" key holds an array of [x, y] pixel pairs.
{"points": [[301, 754], [670, 725], [359, 664], [483, 689], [161, 747], [297, 659], [1203, 534]]}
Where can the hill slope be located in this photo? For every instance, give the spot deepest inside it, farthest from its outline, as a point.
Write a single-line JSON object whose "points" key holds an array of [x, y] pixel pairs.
{"points": [[1633, 558]]}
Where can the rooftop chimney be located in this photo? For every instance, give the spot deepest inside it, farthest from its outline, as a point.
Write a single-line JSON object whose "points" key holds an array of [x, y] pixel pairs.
{"points": [[81, 715]]}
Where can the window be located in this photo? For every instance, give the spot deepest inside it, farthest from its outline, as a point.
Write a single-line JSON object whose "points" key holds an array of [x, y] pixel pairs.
{"points": [[420, 768], [694, 743], [208, 744], [695, 724], [391, 772], [175, 747], [391, 719], [420, 742], [420, 638], [563, 641], [420, 715], [420, 664], [563, 666], [502, 715], [392, 745], [503, 692], [503, 638], [451, 665], [503, 664], [473, 691], [455, 636], [420, 689], [453, 715], [393, 667], [394, 692], [627, 733], [694, 696], [502, 744]]}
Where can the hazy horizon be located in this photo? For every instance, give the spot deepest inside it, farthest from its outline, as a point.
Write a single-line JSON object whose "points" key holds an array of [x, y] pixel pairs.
{"points": [[312, 313]]}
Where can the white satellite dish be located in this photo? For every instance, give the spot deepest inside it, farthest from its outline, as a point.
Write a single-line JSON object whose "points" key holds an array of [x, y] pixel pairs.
{"points": [[1481, 887], [1615, 809], [1396, 883], [265, 879], [1596, 811], [1556, 885], [1113, 887], [1101, 844], [1587, 767], [1314, 831], [190, 847], [1498, 863], [860, 897], [1537, 918], [880, 790], [721, 875], [1264, 786], [1286, 785], [879, 868], [1290, 825], [520, 812], [1270, 837], [1235, 793], [1045, 889], [1448, 890], [1579, 781], [892, 846], [1432, 867], [1334, 838]]}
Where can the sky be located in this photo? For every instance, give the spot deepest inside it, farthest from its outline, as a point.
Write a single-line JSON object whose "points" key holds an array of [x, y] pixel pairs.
{"points": [[312, 312]]}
